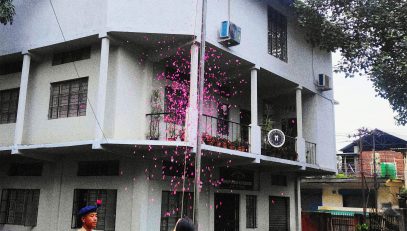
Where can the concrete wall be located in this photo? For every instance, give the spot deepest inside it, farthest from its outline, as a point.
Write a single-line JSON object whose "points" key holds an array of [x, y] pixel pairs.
{"points": [[9, 81], [38, 129], [139, 194]]}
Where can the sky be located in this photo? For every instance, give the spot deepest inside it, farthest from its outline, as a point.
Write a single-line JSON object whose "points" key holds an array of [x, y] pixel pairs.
{"points": [[359, 107]]}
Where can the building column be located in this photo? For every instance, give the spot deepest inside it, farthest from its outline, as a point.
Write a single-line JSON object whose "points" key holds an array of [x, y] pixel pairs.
{"points": [[22, 100], [192, 111], [300, 139], [101, 93], [255, 130], [298, 203]]}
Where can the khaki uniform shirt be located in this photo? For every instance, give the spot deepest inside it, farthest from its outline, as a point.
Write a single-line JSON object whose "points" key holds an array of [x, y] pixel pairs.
{"points": [[83, 229]]}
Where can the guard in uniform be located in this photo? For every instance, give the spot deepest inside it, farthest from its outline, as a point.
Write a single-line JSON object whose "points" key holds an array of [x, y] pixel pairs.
{"points": [[89, 217]]}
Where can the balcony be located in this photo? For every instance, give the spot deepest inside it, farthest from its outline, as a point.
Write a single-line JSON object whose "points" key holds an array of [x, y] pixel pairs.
{"points": [[288, 151], [165, 126], [225, 134]]}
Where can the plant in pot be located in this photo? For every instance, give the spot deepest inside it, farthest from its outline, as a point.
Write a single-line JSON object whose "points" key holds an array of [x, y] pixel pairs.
{"points": [[172, 136], [155, 117]]}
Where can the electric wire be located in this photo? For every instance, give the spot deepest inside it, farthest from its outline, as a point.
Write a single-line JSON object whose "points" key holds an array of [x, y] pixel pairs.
{"points": [[77, 74]]}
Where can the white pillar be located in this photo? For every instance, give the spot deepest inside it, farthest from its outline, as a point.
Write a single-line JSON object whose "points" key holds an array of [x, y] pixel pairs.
{"points": [[298, 203], [192, 111], [300, 139], [255, 130], [101, 95], [22, 100]]}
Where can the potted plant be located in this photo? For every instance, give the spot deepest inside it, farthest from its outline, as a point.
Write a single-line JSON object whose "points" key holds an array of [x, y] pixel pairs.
{"points": [[155, 117], [171, 132]]}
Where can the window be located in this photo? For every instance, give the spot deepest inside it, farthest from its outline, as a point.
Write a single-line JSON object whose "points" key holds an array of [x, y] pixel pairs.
{"points": [[279, 180], [251, 211], [106, 212], [171, 208], [25, 169], [98, 168], [68, 98], [177, 169], [12, 67], [71, 56], [19, 206], [8, 105], [277, 34]]}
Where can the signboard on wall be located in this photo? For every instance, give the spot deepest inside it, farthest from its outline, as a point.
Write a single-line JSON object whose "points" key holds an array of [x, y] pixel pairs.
{"points": [[234, 178]]}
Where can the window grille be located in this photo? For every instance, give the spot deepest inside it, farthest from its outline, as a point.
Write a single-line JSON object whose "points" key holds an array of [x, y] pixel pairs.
{"points": [[9, 105], [98, 168], [71, 56], [171, 208], [25, 169], [12, 67], [279, 180], [277, 34], [68, 98], [106, 212], [251, 211], [19, 206]]}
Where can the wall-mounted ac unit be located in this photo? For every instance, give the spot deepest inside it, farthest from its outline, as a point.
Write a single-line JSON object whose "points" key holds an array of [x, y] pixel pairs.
{"points": [[229, 34], [323, 82]]}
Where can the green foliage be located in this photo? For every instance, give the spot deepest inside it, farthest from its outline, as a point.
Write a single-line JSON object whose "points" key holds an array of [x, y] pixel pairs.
{"points": [[7, 11], [341, 176], [362, 227], [371, 36], [403, 192]]}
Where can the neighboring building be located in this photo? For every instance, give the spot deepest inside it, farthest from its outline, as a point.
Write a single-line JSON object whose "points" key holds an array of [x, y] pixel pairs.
{"points": [[344, 192], [87, 112]]}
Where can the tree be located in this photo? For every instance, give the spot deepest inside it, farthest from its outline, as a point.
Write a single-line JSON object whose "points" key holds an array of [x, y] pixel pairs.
{"points": [[7, 11], [372, 38]]}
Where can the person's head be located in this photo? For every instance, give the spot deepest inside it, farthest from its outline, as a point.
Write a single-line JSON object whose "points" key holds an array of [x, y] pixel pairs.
{"points": [[89, 217], [184, 224]]}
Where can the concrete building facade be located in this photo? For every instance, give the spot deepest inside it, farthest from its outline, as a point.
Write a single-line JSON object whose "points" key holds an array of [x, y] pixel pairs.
{"points": [[85, 90]]}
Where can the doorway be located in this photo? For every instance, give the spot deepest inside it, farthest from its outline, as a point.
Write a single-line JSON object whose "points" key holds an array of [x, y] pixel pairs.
{"points": [[226, 212]]}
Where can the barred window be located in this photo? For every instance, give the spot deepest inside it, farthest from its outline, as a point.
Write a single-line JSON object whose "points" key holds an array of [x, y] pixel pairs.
{"points": [[19, 206], [98, 168], [9, 105], [171, 208], [279, 180], [106, 212], [68, 98], [11, 67], [251, 211], [25, 169], [71, 56], [277, 34]]}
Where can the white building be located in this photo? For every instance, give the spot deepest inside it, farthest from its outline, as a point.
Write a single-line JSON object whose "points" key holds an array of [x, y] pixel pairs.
{"points": [[77, 122]]}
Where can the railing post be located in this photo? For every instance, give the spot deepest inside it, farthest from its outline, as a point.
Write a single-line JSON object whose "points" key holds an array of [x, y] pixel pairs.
{"points": [[255, 130]]}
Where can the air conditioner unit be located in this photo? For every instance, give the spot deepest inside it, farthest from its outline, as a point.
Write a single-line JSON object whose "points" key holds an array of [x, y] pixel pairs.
{"points": [[323, 82], [229, 34]]}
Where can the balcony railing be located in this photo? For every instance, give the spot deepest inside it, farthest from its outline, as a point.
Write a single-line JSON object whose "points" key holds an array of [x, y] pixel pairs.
{"points": [[288, 151], [225, 133], [165, 126], [348, 169], [310, 152]]}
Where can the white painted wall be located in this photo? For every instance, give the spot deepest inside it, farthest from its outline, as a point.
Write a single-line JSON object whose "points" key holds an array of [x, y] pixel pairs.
{"points": [[9, 81], [38, 128], [138, 198]]}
